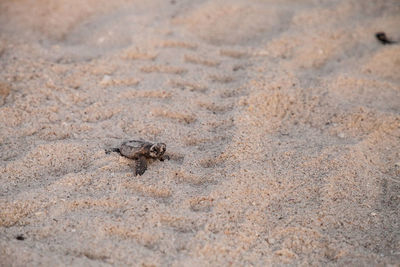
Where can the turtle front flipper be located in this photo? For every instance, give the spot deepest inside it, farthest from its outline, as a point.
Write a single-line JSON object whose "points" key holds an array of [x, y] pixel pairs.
{"points": [[140, 165]]}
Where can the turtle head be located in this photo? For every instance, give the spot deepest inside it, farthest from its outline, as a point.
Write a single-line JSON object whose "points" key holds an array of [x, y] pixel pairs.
{"points": [[157, 150]]}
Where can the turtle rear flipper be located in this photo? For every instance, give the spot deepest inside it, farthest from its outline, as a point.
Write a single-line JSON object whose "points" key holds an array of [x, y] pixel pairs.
{"points": [[164, 157], [115, 149], [140, 165]]}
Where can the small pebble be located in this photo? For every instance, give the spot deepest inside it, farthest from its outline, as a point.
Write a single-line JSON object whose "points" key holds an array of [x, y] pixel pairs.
{"points": [[20, 237]]}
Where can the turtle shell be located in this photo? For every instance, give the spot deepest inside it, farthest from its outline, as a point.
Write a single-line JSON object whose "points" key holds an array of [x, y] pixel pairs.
{"points": [[135, 148]]}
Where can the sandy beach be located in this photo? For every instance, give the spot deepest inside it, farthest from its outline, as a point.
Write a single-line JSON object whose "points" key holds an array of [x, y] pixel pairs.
{"points": [[281, 120]]}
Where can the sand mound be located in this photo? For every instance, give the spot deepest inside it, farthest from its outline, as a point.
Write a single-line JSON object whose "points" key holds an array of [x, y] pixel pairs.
{"points": [[242, 23]]}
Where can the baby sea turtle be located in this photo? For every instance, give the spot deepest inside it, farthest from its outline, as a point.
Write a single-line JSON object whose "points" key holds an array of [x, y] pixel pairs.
{"points": [[141, 151]]}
